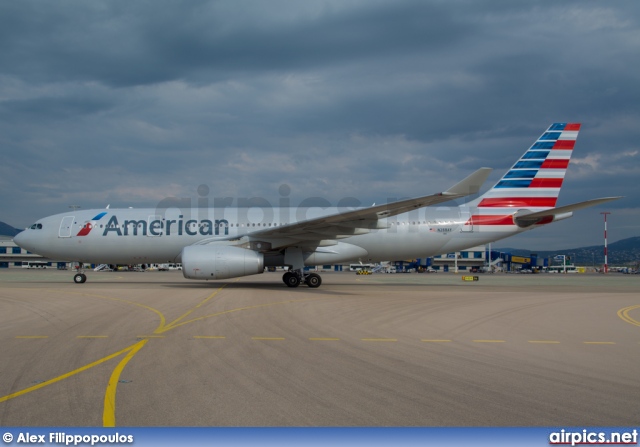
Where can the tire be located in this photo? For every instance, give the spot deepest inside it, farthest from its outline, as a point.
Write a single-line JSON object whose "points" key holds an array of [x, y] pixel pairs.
{"points": [[292, 280], [79, 278], [313, 280]]}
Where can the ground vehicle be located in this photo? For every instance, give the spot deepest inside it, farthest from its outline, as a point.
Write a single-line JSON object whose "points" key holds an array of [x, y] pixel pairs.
{"points": [[356, 267], [165, 267], [35, 265]]}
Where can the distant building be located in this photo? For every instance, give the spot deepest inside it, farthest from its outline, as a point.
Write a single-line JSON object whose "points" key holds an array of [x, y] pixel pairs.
{"points": [[472, 259], [13, 256]]}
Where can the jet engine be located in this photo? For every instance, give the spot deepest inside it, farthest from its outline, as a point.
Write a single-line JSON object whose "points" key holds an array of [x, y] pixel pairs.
{"points": [[220, 262]]}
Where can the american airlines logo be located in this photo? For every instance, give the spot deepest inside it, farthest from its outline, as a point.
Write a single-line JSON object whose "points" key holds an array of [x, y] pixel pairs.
{"points": [[86, 228], [159, 227]]}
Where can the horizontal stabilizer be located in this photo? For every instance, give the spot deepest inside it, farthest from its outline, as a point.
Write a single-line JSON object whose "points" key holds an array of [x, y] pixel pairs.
{"points": [[527, 220]]}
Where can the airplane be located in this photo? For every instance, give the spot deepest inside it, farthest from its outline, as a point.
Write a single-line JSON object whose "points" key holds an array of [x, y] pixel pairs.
{"points": [[222, 242]]}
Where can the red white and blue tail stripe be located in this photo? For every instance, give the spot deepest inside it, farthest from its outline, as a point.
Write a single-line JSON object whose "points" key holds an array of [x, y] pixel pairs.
{"points": [[534, 181]]}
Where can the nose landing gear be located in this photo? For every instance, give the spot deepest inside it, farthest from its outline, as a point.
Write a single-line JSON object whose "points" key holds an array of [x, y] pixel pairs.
{"points": [[79, 277]]}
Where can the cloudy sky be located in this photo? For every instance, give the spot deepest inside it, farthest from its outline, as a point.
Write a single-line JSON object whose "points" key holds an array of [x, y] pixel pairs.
{"points": [[127, 103]]}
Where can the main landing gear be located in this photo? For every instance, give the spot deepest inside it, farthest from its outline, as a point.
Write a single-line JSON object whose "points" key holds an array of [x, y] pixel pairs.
{"points": [[295, 278]]}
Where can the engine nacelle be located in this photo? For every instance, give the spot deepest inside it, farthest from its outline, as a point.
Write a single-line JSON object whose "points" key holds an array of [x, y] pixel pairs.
{"points": [[220, 262]]}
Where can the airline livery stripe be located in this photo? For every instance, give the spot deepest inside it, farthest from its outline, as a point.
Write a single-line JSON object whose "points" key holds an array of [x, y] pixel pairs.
{"points": [[495, 211], [564, 144], [568, 135], [491, 220], [559, 153], [519, 202], [546, 183], [542, 145], [513, 184], [542, 191], [565, 126], [529, 164], [555, 164], [535, 155], [521, 173], [550, 136], [551, 173]]}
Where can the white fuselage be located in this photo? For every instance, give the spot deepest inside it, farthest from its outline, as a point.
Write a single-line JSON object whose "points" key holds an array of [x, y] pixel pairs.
{"points": [[136, 236]]}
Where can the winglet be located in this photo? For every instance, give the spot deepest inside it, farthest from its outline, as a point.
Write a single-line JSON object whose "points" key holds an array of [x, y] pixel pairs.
{"points": [[470, 185]]}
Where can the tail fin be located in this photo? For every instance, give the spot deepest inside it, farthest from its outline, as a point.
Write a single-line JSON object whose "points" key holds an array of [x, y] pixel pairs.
{"points": [[534, 181]]}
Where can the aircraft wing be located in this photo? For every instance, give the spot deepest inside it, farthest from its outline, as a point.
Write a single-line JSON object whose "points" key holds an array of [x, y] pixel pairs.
{"points": [[526, 220], [347, 223], [361, 220]]}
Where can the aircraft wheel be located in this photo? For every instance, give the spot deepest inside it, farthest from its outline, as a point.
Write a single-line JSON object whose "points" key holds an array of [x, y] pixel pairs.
{"points": [[291, 279], [80, 278], [313, 280], [285, 277]]}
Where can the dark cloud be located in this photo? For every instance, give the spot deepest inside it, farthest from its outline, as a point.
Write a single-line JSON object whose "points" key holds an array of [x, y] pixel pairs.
{"points": [[129, 102], [154, 41]]}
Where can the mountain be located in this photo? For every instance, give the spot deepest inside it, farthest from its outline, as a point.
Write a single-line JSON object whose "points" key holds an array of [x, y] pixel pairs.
{"points": [[8, 230], [622, 252]]}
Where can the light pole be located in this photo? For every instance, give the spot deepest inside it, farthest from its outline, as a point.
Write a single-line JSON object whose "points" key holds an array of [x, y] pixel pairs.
{"points": [[606, 264], [564, 262]]}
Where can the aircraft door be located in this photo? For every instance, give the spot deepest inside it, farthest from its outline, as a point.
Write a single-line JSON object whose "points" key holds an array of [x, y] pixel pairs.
{"points": [[65, 226], [466, 221]]}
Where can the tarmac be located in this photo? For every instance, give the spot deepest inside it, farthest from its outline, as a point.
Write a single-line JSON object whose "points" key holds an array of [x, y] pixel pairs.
{"points": [[155, 349]]}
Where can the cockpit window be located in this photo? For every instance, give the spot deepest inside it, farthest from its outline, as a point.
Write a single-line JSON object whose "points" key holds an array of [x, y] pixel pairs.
{"points": [[36, 226]]}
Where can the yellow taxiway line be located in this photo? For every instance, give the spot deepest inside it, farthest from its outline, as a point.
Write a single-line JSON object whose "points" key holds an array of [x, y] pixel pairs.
{"points": [[109, 412]]}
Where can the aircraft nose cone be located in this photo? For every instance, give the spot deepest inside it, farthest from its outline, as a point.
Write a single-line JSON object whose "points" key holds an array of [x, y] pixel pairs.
{"points": [[22, 240], [19, 238]]}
